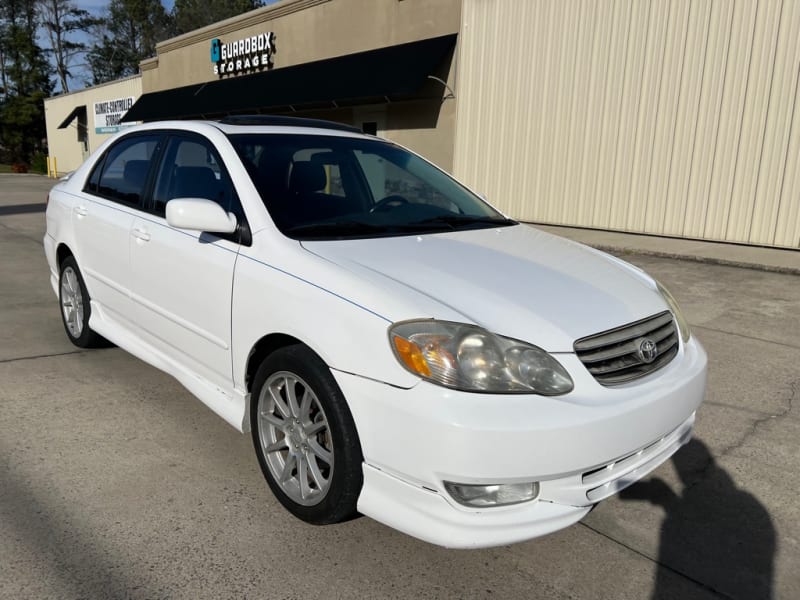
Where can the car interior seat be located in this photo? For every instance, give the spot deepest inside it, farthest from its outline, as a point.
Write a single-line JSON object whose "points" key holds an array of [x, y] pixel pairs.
{"points": [[134, 175], [195, 182]]}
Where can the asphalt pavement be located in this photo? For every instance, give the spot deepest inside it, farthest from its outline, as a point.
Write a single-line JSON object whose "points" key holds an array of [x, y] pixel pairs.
{"points": [[116, 483]]}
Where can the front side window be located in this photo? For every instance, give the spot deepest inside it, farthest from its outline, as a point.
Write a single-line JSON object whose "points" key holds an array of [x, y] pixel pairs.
{"points": [[125, 170], [333, 187], [191, 168]]}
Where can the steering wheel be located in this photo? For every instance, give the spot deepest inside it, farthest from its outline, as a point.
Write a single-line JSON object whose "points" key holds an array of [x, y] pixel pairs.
{"points": [[388, 203]]}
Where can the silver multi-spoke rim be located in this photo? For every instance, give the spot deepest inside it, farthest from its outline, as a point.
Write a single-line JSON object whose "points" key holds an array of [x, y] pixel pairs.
{"points": [[295, 438], [72, 302]]}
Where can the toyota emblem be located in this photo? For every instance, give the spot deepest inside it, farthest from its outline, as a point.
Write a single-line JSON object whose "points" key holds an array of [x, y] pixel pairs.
{"points": [[647, 350]]}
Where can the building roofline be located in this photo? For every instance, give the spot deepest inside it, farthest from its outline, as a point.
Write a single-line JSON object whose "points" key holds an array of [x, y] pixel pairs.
{"points": [[94, 87]]}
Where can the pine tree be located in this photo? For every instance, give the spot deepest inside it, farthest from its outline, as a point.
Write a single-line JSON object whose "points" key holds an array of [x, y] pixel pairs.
{"points": [[131, 30], [25, 80], [189, 15]]}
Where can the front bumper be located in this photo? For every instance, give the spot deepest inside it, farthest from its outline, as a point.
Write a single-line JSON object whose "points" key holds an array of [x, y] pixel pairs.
{"points": [[429, 516], [52, 262], [581, 448]]}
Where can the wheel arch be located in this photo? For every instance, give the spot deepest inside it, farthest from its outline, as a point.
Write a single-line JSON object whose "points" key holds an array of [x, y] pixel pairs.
{"points": [[265, 346], [63, 252]]}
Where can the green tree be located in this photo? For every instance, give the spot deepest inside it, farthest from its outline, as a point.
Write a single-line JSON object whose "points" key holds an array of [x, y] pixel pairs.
{"points": [[25, 80], [61, 19], [189, 15], [130, 31]]}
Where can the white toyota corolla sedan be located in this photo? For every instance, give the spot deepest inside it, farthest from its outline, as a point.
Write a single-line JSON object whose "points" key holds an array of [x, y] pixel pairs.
{"points": [[396, 346]]}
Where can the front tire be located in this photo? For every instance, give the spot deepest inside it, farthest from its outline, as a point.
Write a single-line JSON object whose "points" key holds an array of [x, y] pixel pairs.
{"points": [[76, 306], [305, 438]]}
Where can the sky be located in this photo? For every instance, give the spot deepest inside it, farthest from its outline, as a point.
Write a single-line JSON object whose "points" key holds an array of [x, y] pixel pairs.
{"points": [[95, 6], [81, 75]]}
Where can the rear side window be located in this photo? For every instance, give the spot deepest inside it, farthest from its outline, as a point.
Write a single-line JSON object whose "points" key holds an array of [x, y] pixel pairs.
{"points": [[123, 174]]}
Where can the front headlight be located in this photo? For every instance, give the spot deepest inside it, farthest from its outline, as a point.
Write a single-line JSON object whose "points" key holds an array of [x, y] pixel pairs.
{"points": [[683, 326], [467, 357]]}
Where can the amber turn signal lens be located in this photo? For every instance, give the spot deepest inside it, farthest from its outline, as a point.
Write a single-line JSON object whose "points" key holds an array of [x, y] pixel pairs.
{"points": [[411, 356]]}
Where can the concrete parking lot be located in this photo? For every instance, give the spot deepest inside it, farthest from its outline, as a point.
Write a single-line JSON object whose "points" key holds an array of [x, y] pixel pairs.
{"points": [[116, 483]]}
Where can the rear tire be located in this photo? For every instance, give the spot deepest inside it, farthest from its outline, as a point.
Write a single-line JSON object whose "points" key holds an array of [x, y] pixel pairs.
{"points": [[76, 307], [305, 438]]}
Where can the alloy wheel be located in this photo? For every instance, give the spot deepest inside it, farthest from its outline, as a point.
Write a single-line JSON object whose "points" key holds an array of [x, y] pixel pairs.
{"points": [[295, 438], [72, 302]]}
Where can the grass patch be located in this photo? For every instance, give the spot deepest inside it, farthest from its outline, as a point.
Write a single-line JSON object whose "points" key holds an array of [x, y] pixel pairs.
{"points": [[35, 169]]}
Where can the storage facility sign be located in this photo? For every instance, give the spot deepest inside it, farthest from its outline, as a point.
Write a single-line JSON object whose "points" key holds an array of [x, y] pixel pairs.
{"points": [[107, 114], [246, 55]]}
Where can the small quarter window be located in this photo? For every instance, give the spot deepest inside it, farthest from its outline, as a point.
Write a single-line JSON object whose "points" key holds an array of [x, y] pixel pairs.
{"points": [[94, 178]]}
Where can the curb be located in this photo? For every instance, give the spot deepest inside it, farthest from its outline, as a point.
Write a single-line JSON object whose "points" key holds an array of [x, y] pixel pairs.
{"points": [[624, 250]]}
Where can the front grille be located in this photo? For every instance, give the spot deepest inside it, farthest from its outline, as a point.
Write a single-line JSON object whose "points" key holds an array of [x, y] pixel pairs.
{"points": [[616, 356]]}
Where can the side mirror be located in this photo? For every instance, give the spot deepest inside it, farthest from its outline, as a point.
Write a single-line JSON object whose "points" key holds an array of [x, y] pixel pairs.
{"points": [[199, 214]]}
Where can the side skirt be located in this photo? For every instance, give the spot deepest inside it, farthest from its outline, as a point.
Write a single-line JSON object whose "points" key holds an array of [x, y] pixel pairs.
{"points": [[230, 406]]}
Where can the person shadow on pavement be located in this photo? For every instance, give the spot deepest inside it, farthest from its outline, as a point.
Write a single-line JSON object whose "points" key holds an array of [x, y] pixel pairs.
{"points": [[714, 532]]}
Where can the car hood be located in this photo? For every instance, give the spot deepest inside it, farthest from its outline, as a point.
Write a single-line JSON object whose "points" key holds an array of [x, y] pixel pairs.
{"points": [[516, 281]]}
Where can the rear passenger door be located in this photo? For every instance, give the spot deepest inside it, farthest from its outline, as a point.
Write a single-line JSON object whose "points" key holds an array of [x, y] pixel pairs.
{"points": [[102, 219], [182, 279]]}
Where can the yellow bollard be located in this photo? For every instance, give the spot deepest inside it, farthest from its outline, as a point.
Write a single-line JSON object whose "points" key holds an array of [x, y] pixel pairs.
{"points": [[52, 170]]}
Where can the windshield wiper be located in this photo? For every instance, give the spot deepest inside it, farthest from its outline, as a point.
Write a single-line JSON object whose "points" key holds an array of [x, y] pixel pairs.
{"points": [[337, 228], [455, 220], [347, 228]]}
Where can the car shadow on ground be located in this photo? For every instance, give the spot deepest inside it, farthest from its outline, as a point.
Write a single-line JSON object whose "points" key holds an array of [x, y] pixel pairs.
{"points": [[714, 533], [57, 544], [22, 209]]}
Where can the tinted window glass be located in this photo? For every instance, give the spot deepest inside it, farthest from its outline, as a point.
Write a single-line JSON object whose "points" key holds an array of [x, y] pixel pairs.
{"points": [[191, 168], [330, 165], [126, 168], [387, 179], [94, 178], [321, 187]]}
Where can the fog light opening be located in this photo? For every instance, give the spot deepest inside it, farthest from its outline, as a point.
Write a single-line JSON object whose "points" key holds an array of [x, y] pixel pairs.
{"points": [[495, 494]]}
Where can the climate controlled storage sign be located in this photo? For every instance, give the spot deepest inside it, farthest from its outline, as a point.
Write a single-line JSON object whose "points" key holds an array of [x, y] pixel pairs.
{"points": [[246, 55], [107, 114]]}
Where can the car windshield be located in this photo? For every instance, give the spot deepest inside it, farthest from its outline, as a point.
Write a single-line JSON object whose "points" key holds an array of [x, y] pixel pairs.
{"points": [[319, 187]]}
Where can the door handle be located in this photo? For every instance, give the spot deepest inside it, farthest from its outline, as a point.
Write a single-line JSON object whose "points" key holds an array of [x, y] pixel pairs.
{"points": [[140, 234], [81, 211]]}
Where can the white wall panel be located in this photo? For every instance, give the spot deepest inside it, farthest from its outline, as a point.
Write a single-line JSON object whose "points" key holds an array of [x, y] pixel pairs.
{"points": [[671, 117]]}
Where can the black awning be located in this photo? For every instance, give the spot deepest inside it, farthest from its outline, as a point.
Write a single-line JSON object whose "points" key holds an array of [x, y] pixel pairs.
{"points": [[79, 112], [391, 73]]}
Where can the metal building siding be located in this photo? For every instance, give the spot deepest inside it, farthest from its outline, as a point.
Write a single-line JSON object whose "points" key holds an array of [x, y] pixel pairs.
{"points": [[675, 118]]}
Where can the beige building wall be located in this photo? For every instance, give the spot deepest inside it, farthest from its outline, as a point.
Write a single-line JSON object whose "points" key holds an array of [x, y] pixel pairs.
{"points": [[305, 30], [677, 118], [425, 126], [310, 30], [63, 144]]}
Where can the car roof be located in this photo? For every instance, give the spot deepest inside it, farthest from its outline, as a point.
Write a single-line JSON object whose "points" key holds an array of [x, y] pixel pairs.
{"points": [[259, 124], [282, 120]]}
